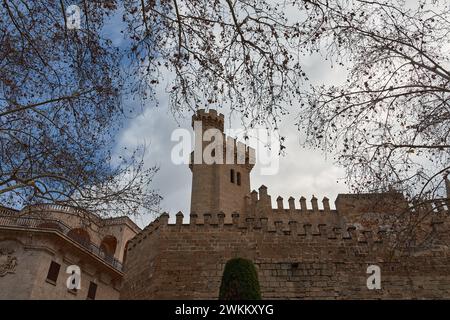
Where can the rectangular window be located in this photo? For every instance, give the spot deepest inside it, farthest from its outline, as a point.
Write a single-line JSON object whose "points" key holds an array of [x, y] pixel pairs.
{"points": [[232, 176], [92, 291], [53, 272], [238, 178]]}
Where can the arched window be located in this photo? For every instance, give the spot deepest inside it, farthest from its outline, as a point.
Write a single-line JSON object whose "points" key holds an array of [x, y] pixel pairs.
{"points": [[81, 236], [232, 176], [238, 178], [108, 246]]}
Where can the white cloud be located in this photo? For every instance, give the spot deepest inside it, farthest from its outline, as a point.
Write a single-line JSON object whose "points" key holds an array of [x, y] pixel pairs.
{"points": [[302, 171]]}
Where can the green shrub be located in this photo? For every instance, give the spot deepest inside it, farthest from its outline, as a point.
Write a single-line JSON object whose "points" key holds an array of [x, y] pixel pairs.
{"points": [[239, 281]]}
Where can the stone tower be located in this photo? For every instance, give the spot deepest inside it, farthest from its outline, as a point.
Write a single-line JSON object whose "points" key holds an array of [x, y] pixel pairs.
{"points": [[221, 186]]}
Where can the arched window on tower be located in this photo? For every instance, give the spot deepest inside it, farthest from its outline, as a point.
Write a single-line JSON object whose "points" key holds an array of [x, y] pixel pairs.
{"points": [[238, 178], [232, 176]]}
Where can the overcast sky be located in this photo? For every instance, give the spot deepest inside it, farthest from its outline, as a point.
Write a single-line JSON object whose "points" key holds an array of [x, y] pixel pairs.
{"points": [[301, 171]]}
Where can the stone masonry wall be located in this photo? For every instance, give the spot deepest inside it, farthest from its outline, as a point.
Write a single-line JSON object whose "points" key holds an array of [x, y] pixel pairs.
{"points": [[293, 261]]}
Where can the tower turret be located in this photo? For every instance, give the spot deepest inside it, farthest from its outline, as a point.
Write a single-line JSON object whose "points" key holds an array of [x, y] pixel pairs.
{"points": [[220, 185], [209, 119]]}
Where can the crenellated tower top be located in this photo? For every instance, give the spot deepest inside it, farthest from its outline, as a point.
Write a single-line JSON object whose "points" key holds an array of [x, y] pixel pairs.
{"points": [[210, 119]]}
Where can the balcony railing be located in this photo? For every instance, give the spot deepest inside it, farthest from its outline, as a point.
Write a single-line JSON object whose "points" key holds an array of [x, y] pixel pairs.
{"points": [[101, 222], [58, 226]]}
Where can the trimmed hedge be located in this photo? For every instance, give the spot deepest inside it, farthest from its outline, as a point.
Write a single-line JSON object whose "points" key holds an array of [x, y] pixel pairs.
{"points": [[239, 281]]}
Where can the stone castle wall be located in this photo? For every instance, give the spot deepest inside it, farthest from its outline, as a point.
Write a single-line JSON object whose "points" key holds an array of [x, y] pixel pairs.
{"points": [[293, 260], [300, 251]]}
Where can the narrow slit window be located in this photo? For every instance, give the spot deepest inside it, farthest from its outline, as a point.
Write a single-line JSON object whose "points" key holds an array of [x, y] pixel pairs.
{"points": [[53, 271], [92, 291], [238, 178], [232, 176]]}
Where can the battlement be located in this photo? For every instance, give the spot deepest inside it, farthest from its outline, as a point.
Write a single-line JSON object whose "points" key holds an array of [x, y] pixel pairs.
{"points": [[304, 233], [259, 204], [209, 119], [165, 257], [262, 200], [243, 223]]}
